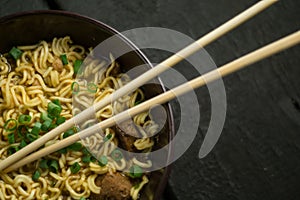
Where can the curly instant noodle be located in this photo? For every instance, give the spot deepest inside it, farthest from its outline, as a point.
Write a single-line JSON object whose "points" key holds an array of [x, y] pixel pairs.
{"points": [[41, 76]]}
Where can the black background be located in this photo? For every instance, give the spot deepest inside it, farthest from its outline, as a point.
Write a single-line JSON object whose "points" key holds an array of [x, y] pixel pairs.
{"points": [[258, 154]]}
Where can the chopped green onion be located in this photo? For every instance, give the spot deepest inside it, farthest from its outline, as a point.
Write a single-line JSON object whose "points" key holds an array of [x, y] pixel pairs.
{"points": [[77, 65], [11, 138], [36, 175], [75, 168], [22, 144], [82, 198], [75, 147], [60, 120], [86, 158], [75, 87], [92, 87], [13, 149], [68, 133], [117, 155], [63, 151], [15, 53], [135, 171], [103, 161], [106, 138], [36, 128], [53, 166], [85, 151], [10, 125], [46, 125], [54, 110], [52, 126], [31, 137], [44, 117], [44, 164], [24, 119], [64, 59], [56, 101]]}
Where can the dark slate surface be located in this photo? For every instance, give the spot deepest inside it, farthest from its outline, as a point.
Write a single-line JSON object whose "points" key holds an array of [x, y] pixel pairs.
{"points": [[258, 154], [12, 6]]}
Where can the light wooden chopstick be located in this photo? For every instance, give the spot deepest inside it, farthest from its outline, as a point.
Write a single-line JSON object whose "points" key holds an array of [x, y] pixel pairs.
{"points": [[134, 84], [227, 69]]}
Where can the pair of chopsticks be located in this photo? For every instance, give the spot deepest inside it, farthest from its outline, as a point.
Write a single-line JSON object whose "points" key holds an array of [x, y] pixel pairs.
{"points": [[18, 159]]}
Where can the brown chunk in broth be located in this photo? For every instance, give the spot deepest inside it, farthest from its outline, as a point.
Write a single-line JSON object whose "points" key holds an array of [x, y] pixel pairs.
{"points": [[113, 187]]}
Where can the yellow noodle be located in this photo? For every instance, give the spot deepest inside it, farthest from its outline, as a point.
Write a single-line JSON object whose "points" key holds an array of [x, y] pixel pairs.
{"points": [[134, 192], [30, 86], [91, 184]]}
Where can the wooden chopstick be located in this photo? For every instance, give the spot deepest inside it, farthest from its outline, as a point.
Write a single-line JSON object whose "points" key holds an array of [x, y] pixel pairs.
{"points": [[134, 84], [225, 70]]}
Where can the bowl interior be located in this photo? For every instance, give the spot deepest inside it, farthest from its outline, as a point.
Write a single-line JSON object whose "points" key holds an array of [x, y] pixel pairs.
{"points": [[31, 27]]}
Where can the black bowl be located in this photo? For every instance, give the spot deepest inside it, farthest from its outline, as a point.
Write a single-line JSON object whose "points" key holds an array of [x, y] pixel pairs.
{"points": [[30, 27]]}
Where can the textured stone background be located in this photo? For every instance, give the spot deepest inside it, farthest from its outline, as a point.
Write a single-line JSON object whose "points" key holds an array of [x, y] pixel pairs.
{"points": [[258, 154]]}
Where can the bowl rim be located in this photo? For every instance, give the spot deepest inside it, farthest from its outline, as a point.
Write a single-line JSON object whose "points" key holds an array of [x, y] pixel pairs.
{"points": [[113, 31]]}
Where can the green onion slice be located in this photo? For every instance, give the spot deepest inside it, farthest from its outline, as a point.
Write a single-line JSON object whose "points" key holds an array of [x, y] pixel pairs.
{"points": [[86, 158], [64, 59], [10, 125], [63, 151], [75, 168], [60, 120], [106, 138], [92, 87], [46, 125], [15, 53], [22, 144], [75, 88], [56, 101], [54, 110], [44, 117], [36, 128], [53, 166], [36, 175], [103, 161], [68, 133], [85, 151], [44, 164], [135, 171], [11, 138], [52, 126], [77, 65], [31, 137], [117, 155], [13, 149], [24, 119], [75, 147]]}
